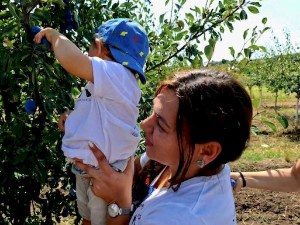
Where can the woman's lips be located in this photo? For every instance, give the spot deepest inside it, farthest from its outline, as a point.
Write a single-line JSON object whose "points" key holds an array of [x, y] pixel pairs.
{"points": [[148, 143]]}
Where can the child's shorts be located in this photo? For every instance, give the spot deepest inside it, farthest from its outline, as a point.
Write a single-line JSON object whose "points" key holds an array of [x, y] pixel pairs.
{"points": [[90, 207]]}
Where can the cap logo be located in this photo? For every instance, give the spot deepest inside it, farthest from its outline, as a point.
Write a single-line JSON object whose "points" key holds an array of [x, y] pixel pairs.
{"points": [[136, 39], [124, 33]]}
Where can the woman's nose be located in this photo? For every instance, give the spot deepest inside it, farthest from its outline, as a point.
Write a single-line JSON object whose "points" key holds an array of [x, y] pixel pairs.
{"points": [[146, 124]]}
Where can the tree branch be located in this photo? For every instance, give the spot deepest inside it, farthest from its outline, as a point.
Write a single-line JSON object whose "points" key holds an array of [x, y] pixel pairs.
{"points": [[196, 35]]}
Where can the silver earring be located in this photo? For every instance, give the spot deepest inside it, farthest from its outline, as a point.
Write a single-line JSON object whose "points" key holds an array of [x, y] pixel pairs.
{"points": [[200, 163]]}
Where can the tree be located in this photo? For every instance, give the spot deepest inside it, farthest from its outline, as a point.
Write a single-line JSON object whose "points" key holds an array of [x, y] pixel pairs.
{"points": [[35, 89]]}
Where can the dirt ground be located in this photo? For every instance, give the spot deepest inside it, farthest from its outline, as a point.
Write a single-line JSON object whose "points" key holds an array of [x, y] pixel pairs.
{"points": [[266, 207]]}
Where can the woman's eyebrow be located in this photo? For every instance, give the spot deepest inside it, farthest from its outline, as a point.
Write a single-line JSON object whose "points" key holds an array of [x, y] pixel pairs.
{"points": [[162, 119]]}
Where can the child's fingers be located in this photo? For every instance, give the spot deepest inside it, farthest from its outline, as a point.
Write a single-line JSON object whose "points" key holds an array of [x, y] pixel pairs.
{"points": [[38, 37]]}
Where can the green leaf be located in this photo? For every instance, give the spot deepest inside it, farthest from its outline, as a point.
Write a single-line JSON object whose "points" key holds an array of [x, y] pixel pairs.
{"points": [[265, 29], [20, 158], [180, 35], [222, 29], [3, 77], [212, 42], [253, 9], [254, 130], [4, 14], [232, 51], [256, 103], [208, 50], [60, 2], [283, 121], [189, 16], [194, 28], [48, 108], [230, 26], [243, 15], [254, 47], [243, 62], [221, 6], [247, 52], [48, 69], [263, 48], [12, 10], [169, 33], [264, 20], [256, 4], [161, 18], [166, 3], [245, 33], [126, 4], [271, 125]]}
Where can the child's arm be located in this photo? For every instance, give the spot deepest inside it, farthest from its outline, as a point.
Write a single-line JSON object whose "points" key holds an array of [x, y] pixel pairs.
{"points": [[68, 54]]}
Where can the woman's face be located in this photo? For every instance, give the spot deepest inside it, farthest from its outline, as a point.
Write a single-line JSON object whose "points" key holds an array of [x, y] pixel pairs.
{"points": [[160, 129]]}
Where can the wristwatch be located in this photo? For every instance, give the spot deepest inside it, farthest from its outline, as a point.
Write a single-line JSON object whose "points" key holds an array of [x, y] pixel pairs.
{"points": [[114, 210]]}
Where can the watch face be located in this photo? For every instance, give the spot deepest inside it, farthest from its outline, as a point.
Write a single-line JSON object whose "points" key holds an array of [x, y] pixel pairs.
{"points": [[113, 210]]}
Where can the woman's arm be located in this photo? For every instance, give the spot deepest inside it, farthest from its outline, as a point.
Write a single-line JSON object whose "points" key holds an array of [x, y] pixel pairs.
{"points": [[285, 180], [110, 185]]}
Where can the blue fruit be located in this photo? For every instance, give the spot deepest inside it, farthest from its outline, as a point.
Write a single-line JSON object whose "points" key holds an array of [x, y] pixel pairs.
{"points": [[65, 212], [68, 16], [34, 31], [69, 23], [30, 106], [72, 192]]}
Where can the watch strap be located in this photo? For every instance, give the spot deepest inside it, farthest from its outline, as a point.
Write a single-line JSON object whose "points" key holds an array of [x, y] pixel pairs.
{"points": [[125, 211]]}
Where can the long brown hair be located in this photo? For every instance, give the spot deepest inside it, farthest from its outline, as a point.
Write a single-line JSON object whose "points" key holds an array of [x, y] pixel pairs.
{"points": [[213, 106]]}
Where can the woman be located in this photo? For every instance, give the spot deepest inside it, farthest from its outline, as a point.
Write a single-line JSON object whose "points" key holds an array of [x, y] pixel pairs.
{"points": [[201, 120], [285, 179]]}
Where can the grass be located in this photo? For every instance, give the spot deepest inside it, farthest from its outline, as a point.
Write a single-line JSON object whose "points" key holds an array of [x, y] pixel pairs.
{"points": [[271, 147], [285, 143]]}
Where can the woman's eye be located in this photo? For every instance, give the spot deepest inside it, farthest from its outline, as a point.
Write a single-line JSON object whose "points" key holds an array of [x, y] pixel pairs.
{"points": [[160, 128]]}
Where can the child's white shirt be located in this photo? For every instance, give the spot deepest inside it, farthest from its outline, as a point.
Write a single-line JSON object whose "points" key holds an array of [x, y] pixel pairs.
{"points": [[106, 114]]}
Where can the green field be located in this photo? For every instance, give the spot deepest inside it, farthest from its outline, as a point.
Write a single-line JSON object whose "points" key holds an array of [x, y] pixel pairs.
{"points": [[283, 144]]}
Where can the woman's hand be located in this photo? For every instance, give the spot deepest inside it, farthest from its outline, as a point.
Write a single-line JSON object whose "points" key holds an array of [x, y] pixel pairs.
{"points": [[108, 184], [239, 182], [62, 119]]}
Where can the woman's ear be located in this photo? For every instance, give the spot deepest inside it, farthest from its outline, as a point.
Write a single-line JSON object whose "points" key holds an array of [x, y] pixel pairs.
{"points": [[208, 152]]}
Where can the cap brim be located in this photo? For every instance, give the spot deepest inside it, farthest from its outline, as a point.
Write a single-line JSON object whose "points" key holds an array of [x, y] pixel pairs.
{"points": [[129, 62]]}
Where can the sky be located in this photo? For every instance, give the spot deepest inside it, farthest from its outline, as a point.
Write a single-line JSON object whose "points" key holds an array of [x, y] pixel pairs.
{"points": [[281, 14]]}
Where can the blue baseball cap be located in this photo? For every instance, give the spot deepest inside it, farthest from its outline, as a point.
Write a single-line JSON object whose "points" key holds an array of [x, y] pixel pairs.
{"points": [[128, 43]]}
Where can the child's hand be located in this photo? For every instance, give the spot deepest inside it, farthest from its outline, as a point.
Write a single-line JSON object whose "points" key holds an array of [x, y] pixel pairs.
{"points": [[45, 33], [62, 119]]}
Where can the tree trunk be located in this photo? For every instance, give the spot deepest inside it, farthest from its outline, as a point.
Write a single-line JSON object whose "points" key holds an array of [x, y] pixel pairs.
{"points": [[297, 112], [260, 96], [276, 97]]}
